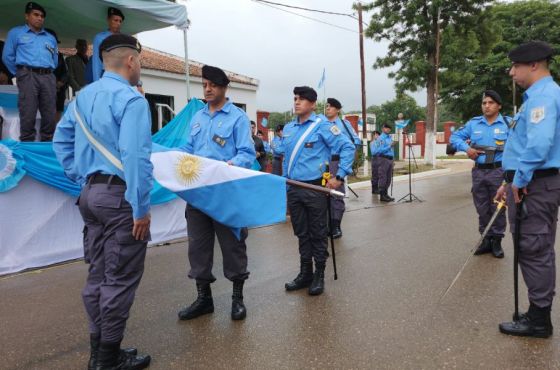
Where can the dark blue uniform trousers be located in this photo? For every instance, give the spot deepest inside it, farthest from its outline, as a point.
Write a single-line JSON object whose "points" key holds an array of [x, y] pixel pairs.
{"points": [[308, 212], [116, 259], [202, 230], [485, 183], [538, 233]]}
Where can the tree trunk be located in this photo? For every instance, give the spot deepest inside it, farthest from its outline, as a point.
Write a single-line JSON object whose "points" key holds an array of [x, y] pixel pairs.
{"points": [[431, 114]]}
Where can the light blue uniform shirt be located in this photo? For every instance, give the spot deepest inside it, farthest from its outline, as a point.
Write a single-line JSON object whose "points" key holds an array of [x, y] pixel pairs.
{"points": [[118, 114], [276, 146], [534, 139], [385, 145], [480, 132], [346, 128], [267, 147], [316, 150], [223, 136], [27, 48], [96, 62], [374, 146]]}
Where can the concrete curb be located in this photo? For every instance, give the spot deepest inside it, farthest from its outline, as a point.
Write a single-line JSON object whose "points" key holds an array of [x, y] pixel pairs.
{"points": [[415, 176]]}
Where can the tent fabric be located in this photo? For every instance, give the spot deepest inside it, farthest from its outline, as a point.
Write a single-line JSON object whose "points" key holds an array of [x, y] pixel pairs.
{"points": [[74, 19]]}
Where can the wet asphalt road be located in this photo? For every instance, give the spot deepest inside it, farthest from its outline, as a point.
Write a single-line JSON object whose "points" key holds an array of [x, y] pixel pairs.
{"points": [[394, 263]]}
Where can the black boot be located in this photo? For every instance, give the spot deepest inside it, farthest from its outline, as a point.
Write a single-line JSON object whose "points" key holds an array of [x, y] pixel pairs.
{"points": [[485, 246], [336, 231], [497, 250], [318, 284], [304, 278], [94, 341], [238, 310], [535, 323], [384, 197], [203, 305], [111, 357]]}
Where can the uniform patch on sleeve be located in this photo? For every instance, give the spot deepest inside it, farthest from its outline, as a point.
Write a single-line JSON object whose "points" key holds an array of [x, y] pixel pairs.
{"points": [[537, 115], [335, 130]]}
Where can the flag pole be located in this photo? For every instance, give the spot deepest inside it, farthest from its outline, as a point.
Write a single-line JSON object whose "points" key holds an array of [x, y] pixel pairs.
{"points": [[320, 189]]}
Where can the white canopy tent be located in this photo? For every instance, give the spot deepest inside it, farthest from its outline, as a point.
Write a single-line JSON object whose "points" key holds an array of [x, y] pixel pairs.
{"points": [[74, 19]]}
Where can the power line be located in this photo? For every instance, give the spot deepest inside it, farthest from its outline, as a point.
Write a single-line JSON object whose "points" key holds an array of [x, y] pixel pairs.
{"points": [[307, 9], [267, 3]]}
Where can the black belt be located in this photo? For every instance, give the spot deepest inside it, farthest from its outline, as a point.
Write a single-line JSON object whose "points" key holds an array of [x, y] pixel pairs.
{"points": [[384, 156], [41, 71], [99, 178], [318, 182], [279, 157], [335, 157], [488, 166], [509, 174]]}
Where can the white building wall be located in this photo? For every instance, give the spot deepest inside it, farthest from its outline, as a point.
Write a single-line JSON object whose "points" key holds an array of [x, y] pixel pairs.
{"points": [[172, 84]]}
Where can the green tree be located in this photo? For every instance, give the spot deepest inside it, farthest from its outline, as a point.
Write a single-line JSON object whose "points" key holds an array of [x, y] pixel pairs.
{"points": [[278, 118], [513, 23], [388, 111], [412, 28]]}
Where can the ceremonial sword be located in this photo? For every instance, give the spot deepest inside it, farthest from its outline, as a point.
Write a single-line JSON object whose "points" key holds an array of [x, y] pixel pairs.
{"points": [[499, 206]]}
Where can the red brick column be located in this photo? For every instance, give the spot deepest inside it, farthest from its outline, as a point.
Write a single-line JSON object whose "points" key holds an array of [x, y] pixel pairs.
{"points": [[260, 116], [353, 119], [421, 134]]}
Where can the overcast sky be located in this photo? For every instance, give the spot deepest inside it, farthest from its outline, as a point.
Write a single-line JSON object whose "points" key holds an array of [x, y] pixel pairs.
{"points": [[282, 50]]}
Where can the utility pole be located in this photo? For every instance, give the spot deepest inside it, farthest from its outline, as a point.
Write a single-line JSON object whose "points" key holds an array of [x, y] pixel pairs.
{"points": [[363, 70], [436, 90]]}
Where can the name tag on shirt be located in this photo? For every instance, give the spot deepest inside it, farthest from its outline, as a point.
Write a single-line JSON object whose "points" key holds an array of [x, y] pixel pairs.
{"points": [[219, 140]]}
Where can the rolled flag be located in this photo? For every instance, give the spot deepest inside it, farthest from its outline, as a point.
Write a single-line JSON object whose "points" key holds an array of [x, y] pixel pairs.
{"points": [[322, 80], [234, 196], [401, 124], [264, 122]]}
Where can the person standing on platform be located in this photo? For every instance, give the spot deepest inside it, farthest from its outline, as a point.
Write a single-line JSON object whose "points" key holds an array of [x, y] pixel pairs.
{"points": [[384, 154], [531, 162], [487, 135], [374, 150], [31, 54], [77, 66], [220, 131], [104, 143], [115, 18], [309, 142], [277, 151], [332, 111]]}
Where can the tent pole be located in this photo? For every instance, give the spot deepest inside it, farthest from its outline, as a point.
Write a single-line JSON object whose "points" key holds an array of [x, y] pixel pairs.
{"points": [[187, 75]]}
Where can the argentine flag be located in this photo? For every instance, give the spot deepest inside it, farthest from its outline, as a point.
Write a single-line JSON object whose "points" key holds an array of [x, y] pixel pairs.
{"points": [[234, 196]]}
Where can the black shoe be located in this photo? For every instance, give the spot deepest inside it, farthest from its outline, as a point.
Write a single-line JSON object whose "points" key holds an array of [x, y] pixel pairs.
{"points": [[94, 350], [238, 310], [497, 250], [203, 305], [318, 285], [535, 323], [384, 197], [304, 278], [111, 357], [336, 231], [485, 246]]}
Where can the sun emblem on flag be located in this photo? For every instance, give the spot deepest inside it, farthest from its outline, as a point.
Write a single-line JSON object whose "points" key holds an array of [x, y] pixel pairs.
{"points": [[188, 168]]}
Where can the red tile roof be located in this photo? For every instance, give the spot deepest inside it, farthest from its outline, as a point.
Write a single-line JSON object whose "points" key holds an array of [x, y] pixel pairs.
{"points": [[160, 61]]}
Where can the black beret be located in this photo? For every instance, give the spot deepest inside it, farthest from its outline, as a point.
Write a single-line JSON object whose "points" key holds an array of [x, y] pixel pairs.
{"points": [[306, 92], [376, 132], [54, 34], [279, 128], [493, 95], [215, 75], [34, 6], [114, 11], [119, 40], [531, 51], [334, 103], [387, 126]]}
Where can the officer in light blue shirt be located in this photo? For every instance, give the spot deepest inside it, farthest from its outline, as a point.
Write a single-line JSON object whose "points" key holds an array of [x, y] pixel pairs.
{"points": [[374, 150], [332, 111], [309, 142], [115, 18], [383, 147], [531, 160], [486, 136], [31, 54], [277, 150], [111, 116], [220, 131]]}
